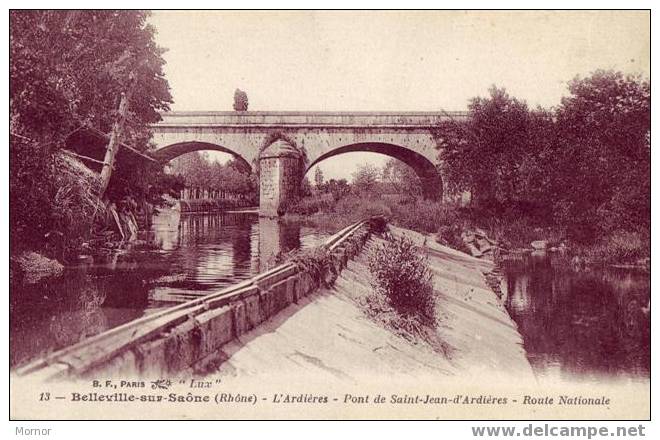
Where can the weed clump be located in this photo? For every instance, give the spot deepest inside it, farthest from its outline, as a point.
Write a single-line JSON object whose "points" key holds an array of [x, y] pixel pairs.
{"points": [[317, 262], [401, 276]]}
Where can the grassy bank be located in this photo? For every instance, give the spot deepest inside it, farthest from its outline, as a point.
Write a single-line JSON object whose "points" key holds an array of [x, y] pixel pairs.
{"points": [[448, 221]]}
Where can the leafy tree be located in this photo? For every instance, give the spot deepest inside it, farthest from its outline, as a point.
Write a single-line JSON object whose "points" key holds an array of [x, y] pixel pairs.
{"points": [[498, 128], [191, 167], [536, 189], [366, 178], [603, 166], [401, 178], [240, 100], [452, 139], [69, 69]]}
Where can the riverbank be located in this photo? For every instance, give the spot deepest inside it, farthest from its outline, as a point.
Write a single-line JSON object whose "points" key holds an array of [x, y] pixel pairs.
{"points": [[476, 332], [448, 224]]}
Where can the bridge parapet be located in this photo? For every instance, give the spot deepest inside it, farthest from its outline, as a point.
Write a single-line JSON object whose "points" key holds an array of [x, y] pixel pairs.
{"points": [[308, 119]]}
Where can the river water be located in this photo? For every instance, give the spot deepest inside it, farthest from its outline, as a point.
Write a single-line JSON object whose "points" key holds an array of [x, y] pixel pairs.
{"points": [[576, 325], [589, 326], [185, 257]]}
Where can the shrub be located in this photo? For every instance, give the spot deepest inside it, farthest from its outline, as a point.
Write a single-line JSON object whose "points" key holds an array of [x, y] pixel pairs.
{"points": [[311, 205], [359, 207], [316, 262], [618, 247], [403, 277], [450, 235], [519, 232], [423, 215], [75, 204]]}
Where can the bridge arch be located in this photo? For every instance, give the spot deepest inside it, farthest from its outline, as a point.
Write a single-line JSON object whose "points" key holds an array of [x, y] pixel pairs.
{"points": [[172, 151], [428, 173]]}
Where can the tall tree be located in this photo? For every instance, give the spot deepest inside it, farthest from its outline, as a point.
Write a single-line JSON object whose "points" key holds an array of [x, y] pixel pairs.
{"points": [[366, 178], [604, 163], [496, 140], [240, 100], [69, 68], [401, 178], [318, 177]]}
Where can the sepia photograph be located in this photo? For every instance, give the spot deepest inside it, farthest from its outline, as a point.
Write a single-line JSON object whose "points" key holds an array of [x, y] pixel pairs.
{"points": [[330, 215]]}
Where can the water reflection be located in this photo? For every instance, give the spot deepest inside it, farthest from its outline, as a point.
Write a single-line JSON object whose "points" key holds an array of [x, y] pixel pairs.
{"points": [[276, 238], [586, 325], [186, 256], [61, 312]]}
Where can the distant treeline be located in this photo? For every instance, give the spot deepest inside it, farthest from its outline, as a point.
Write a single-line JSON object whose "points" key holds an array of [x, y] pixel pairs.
{"points": [[198, 171]]}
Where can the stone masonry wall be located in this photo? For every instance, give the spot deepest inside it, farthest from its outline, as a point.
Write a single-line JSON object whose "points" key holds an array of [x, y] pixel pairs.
{"points": [[279, 183]]}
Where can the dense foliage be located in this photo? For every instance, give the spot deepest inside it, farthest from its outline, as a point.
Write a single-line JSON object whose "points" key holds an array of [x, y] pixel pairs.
{"points": [[338, 188], [366, 178], [68, 70], [318, 177], [583, 166]]}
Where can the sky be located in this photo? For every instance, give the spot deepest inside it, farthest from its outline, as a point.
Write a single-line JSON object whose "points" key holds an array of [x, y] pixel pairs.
{"points": [[389, 60]]}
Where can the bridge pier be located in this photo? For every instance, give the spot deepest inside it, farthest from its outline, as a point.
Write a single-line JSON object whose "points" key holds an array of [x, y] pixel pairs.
{"points": [[279, 178]]}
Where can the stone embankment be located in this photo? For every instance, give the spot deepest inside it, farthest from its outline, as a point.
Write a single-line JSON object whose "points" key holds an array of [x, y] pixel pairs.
{"points": [[328, 339]]}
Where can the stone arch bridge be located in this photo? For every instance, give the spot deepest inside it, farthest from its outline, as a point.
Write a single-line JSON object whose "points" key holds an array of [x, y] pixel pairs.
{"points": [[282, 146]]}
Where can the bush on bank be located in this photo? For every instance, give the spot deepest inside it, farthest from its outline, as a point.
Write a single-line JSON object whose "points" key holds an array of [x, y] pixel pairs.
{"points": [[312, 205], [30, 267], [413, 213], [620, 247], [402, 276], [328, 214]]}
